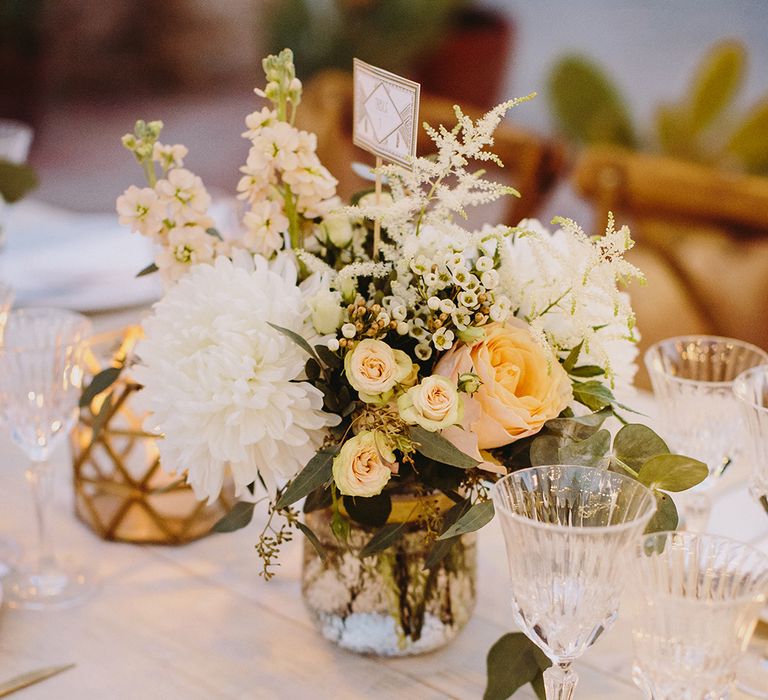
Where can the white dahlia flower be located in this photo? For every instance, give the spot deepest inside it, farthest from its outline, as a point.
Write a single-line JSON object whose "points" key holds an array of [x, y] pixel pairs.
{"points": [[220, 382]]}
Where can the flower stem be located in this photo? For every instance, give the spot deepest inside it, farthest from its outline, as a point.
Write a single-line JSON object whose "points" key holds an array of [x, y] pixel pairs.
{"points": [[294, 231]]}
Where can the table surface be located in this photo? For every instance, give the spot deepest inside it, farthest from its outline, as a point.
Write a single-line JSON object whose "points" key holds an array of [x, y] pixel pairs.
{"points": [[197, 622]]}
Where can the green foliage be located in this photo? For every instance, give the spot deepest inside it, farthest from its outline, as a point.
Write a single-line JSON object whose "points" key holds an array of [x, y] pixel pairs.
{"points": [[383, 539], [312, 537], [587, 105], [716, 82], [636, 443], [589, 109], [331, 34], [441, 547], [148, 270], [317, 472], [16, 181], [479, 515], [672, 472], [238, 517], [593, 394], [513, 661], [101, 382], [435, 447], [665, 518], [749, 142]]}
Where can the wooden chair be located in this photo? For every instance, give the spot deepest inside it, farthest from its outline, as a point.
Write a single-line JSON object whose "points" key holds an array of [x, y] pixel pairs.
{"points": [[702, 239], [532, 164]]}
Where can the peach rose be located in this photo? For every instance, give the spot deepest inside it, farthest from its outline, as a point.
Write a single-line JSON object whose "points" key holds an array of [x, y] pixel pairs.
{"points": [[364, 465], [434, 404], [522, 387], [374, 369]]}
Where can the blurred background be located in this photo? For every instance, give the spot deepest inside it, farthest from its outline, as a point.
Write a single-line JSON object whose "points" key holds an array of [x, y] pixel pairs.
{"points": [[657, 111]]}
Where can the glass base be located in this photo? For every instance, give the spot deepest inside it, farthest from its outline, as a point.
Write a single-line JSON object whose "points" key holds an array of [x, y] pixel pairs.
{"points": [[752, 674], [10, 553], [54, 588]]}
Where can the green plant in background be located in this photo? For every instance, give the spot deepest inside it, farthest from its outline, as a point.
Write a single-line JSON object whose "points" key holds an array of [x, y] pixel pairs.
{"points": [[16, 180], [387, 33], [702, 125]]}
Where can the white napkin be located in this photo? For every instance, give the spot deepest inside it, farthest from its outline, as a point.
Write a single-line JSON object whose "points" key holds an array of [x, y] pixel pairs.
{"points": [[84, 262]]}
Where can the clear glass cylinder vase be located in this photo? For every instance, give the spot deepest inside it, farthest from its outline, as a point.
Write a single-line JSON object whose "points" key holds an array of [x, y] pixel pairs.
{"points": [[387, 604]]}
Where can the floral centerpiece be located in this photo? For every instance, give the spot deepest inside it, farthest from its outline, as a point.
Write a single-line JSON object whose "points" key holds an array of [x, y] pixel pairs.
{"points": [[387, 388]]}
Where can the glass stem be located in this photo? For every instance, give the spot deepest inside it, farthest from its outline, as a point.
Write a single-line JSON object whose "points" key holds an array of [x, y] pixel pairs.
{"points": [[560, 681], [697, 508], [40, 478]]}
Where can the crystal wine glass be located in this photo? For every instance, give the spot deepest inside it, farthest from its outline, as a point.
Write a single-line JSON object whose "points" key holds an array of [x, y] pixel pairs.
{"points": [[40, 382], [692, 378], [9, 549], [751, 388], [694, 601], [567, 531]]}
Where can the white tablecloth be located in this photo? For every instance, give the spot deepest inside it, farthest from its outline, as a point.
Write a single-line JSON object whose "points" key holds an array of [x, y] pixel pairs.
{"points": [[197, 623]]}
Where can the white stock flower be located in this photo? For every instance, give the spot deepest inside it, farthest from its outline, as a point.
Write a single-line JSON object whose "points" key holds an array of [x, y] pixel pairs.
{"points": [[220, 382], [264, 226], [169, 156], [182, 189], [185, 246], [141, 209]]}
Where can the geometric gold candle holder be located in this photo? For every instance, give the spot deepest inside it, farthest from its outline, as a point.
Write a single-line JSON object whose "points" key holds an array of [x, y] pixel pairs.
{"points": [[121, 491]]}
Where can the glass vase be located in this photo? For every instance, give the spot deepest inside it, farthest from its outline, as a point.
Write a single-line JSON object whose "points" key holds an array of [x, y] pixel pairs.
{"points": [[387, 604]]}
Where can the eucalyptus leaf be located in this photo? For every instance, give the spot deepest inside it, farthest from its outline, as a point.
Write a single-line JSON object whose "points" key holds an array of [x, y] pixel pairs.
{"points": [[312, 537], [317, 472], [672, 472], [296, 338], [148, 270], [330, 359], [477, 516], [238, 517], [635, 444], [384, 538], [318, 499], [587, 453], [312, 369], [593, 394], [441, 547], [665, 518], [16, 180], [100, 382], [512, 661], [580, 427], [545, 450], [372, 511], [434, 446]]}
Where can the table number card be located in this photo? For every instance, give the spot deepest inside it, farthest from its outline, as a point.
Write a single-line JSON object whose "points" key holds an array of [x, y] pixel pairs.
{"points": [[386, 113]]}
